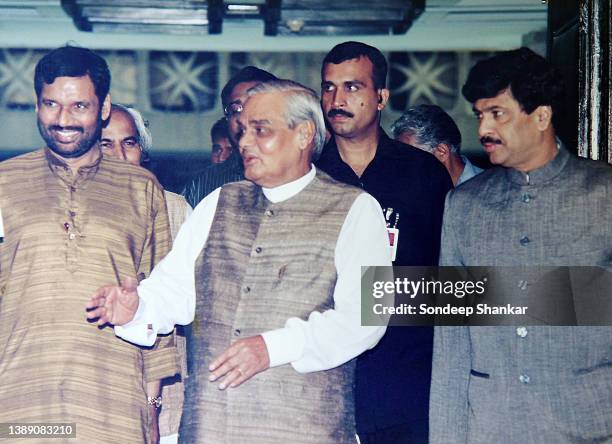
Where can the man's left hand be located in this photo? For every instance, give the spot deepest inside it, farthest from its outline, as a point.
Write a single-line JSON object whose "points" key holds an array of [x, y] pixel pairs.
{"points": [[240, 362]]}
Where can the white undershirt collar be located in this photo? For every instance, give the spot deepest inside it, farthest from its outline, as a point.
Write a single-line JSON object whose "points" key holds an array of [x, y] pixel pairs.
{"points": [[288, 190]]}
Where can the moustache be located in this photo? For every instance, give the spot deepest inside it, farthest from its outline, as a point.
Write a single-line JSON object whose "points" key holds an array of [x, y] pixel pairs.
{"points": [[66, 128], [339, 112], [488, 139]]}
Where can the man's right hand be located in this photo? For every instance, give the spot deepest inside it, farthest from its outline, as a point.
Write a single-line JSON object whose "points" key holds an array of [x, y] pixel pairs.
{"points": [[114, 305]]}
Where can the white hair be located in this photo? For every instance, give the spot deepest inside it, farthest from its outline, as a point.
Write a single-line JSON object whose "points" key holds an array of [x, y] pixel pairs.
{"points": [[302, 105], [145, 140]]}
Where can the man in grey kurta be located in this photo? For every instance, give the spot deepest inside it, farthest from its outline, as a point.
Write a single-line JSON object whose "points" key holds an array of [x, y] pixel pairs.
{"points": [[540, 205], [271, 268]]}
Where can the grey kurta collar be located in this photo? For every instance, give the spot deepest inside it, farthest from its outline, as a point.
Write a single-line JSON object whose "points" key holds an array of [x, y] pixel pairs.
{"points": [[541, 175]]}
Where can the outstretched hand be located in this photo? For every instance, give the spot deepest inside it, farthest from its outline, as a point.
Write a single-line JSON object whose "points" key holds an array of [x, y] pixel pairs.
{"points": [[114, 305]]}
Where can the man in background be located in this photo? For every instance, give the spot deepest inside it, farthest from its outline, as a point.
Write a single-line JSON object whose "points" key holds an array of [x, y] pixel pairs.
{"points": [[74, 219], [431, 129], [126, 136], [233, 95], [392, 380], [221, 143]]}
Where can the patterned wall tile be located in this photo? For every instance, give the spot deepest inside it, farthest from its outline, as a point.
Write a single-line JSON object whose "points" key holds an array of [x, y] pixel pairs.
{"points": [[423, 77], [183, 81], [17, 77]]}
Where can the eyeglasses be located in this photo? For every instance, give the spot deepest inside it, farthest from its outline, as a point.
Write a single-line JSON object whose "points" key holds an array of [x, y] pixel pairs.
{"points": [[232, 109]]}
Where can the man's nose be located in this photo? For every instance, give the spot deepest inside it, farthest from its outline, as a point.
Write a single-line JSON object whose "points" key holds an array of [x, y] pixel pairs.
{"points": [[65, 118], [245, 139], [120, 152], [484, 126], [338, 98]]}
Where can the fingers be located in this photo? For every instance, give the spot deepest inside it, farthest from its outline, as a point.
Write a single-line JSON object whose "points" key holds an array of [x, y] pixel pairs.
{"points": [[240, 362], [220, 361], [234, 378], [101, 304], [98, 297], [103, 314], [233, 373], [114, 305]]}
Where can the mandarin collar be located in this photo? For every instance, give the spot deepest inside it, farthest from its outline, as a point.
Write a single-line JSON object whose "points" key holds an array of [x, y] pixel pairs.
{"points": [[288, 190], [60, 168], [543, 174]]}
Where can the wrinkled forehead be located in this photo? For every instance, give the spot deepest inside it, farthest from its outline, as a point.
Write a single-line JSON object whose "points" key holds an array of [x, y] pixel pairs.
{"points": [[121, 120], [269, 107]]}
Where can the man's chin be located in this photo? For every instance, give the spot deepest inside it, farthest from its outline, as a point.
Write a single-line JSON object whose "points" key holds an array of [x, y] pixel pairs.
{"points": [[69, 151], [495, 159], [341, 128]]}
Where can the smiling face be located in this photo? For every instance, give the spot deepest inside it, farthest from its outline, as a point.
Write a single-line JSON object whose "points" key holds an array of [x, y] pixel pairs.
{"points": [[349, 98], [70, 116], [273, 154], [120, 138], [511, 137]]}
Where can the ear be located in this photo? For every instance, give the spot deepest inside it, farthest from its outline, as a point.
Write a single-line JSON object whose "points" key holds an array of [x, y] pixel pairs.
{"points": [[383, 98], [106, 107], [442, 151], [306, 132], [543, 117]]}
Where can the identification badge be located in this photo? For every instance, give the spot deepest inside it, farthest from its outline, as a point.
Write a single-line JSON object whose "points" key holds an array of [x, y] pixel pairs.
{"points": [[392, 229], [393, 239]]}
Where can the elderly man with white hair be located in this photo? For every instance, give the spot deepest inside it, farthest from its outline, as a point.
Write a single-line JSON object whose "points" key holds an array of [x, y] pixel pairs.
{"points": [[126, 136], [270, 267]]}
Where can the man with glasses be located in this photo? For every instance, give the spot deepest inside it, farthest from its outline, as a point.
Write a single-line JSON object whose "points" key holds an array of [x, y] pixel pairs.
{"points": [[233, 96]]}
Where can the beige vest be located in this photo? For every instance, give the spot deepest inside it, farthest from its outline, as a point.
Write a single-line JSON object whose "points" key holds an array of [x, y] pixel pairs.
{"points": [[263, 263]]}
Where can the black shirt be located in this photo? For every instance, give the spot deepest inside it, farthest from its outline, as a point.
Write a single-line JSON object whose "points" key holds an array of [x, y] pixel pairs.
{"points": [[392, 380]]}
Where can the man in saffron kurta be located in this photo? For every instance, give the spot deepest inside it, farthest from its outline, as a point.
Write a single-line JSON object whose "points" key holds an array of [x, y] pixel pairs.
{"points": [[276, 282], [72, 221]]}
